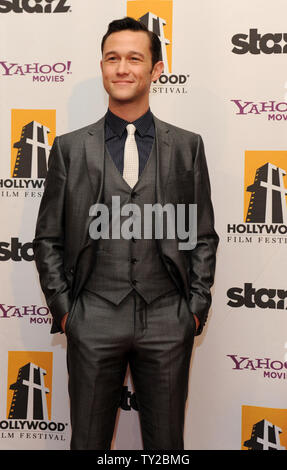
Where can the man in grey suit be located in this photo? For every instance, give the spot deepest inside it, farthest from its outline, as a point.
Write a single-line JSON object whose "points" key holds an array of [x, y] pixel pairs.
{"points": [[126, 300]]}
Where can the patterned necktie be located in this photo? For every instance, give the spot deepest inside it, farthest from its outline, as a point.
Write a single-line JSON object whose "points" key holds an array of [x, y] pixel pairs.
{"points": [[131, 157]]}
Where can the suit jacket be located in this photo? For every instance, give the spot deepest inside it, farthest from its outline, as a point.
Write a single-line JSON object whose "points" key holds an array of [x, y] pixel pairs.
{"points": [[63, 249]]}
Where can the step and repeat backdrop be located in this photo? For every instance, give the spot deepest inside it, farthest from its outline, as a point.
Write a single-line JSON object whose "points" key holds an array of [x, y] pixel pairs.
{"points": [[225, 78]]}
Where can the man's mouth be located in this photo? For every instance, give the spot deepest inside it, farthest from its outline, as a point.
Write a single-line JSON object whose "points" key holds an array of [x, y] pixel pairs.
{"points": [[122, 82]]}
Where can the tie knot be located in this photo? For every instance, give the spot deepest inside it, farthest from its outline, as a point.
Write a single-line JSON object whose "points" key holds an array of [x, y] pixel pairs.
{"points": [[131, 129]]}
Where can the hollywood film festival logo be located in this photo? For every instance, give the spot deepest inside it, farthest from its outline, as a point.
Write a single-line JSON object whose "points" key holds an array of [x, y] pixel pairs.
{"points": [[265, 202], [263, 428], [157, 16], [32, 134], [29, 399]]}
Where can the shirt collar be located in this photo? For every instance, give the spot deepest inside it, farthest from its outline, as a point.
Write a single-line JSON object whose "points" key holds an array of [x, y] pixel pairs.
{"points": [[118, 125]]}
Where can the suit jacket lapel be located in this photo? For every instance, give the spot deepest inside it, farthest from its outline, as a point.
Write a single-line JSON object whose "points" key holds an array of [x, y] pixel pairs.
{"points": [[163, 156], [167, 247], [95, 152], [94, 155]]}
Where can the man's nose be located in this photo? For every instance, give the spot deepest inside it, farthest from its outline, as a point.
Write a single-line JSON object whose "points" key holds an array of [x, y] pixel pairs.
{"points": [[122, 67]]}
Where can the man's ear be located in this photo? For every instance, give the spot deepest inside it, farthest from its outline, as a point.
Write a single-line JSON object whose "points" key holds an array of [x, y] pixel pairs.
{"points": [[157, 70], [101, 64]]}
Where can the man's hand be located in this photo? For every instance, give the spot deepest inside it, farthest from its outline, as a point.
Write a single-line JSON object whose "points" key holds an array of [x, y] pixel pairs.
{"points": [[196, 322], [63, 322]]}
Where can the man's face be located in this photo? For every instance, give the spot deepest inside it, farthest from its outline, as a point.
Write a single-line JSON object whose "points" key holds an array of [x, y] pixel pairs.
{"points": [[127, 66]]}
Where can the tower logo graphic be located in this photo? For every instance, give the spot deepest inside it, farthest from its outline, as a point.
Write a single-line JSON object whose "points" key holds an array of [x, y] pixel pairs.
{"points": [[29, 396], [264, 428], [265, 198], [156, 15], [33, 152], [155, 24], [265, 436], [32, 134]]}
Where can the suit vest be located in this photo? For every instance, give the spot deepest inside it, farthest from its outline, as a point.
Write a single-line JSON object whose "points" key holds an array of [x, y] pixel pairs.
{"points": [[122, 265]]}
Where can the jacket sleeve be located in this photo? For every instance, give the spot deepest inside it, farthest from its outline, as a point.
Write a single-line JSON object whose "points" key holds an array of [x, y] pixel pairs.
{"points": [[203, 256], [48, 244]]}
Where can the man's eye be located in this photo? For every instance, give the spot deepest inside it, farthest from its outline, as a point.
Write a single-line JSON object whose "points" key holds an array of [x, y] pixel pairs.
{"points": [[135, 58]]}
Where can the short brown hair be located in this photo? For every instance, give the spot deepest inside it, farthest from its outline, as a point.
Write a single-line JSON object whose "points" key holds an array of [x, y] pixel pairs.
{"points": [[131, 24]]}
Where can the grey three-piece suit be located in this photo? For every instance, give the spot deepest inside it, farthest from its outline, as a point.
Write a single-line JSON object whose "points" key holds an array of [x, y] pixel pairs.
{"points": [[129, 300]]}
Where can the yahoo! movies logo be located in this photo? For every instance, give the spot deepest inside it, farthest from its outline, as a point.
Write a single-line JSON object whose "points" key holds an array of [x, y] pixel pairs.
{"points": [[32, 134], [34, 6], [269, 368], [157, 16], [34, 314], [55, 72], [274, 110], [265, 200], [29, 398], [263, 428]]}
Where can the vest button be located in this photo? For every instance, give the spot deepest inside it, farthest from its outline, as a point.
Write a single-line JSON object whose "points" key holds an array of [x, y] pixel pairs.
{"points": [[133, 194], [133, 239], [134, 282], [134, 260]]}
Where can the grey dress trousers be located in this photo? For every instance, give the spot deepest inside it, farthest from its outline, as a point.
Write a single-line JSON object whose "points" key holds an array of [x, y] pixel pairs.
{"points": [[156, 340]]}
